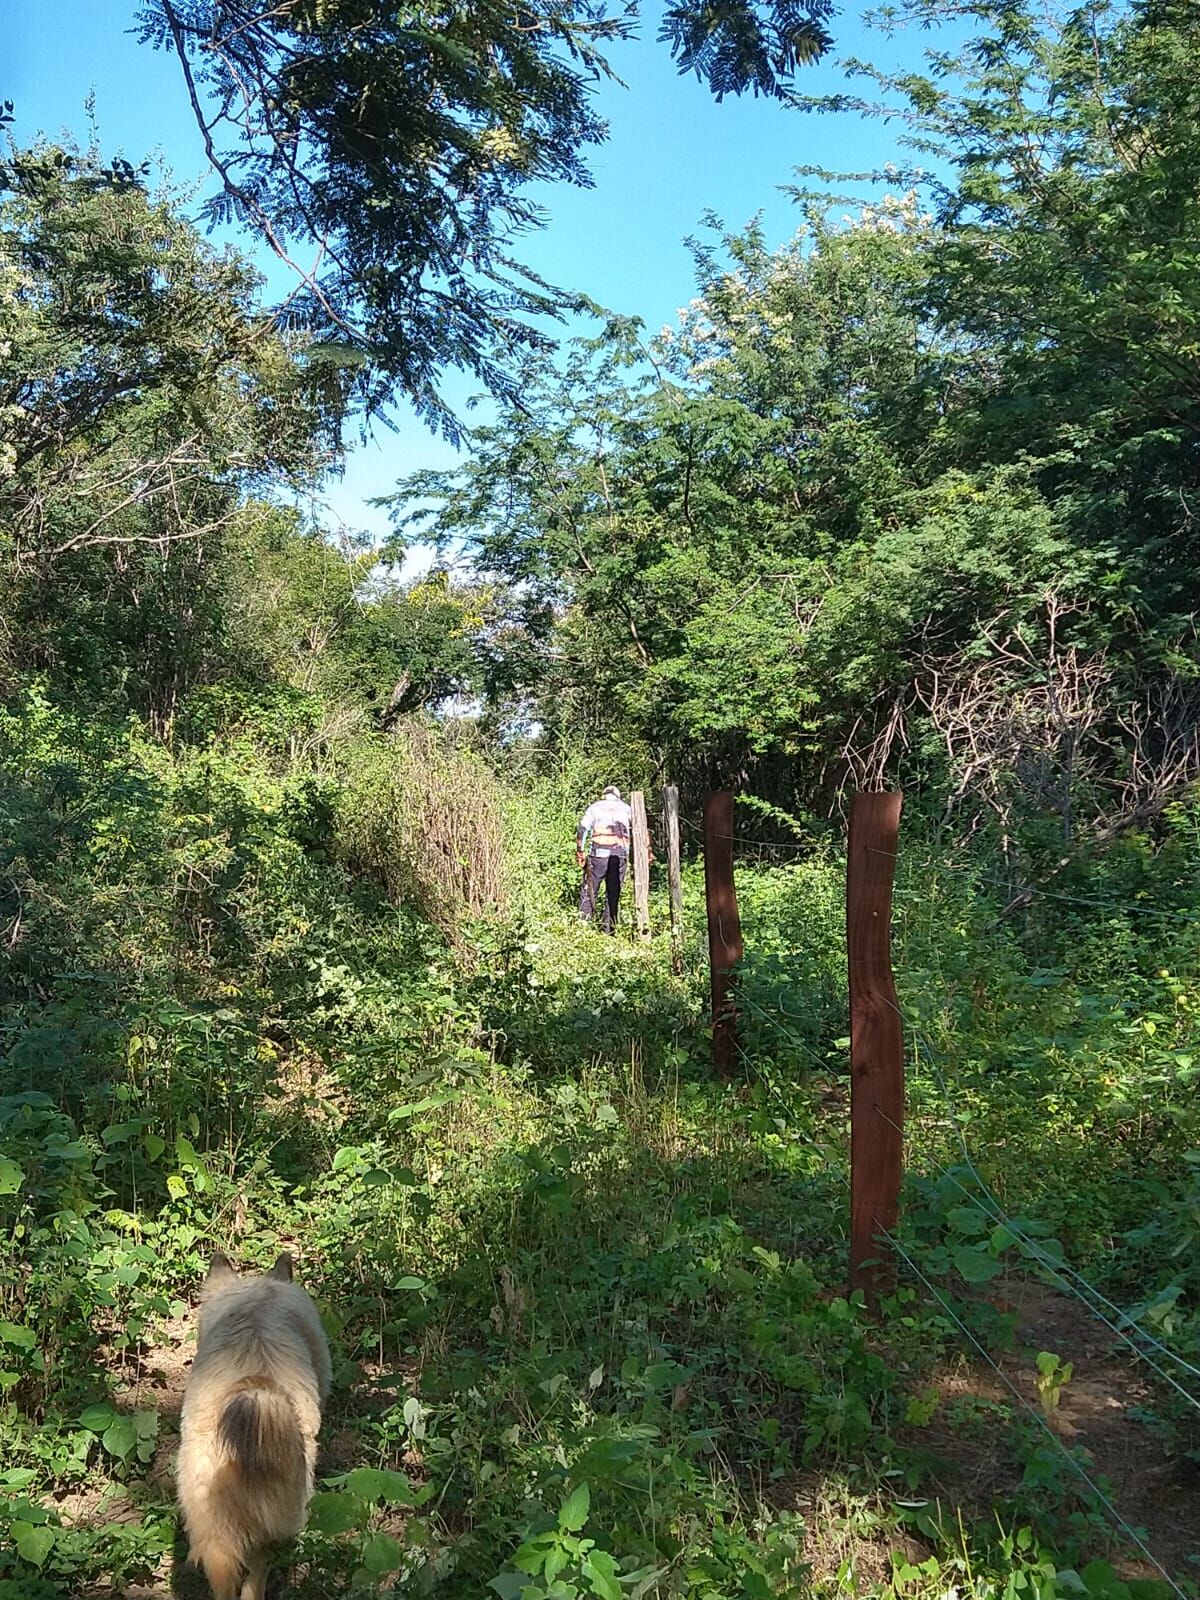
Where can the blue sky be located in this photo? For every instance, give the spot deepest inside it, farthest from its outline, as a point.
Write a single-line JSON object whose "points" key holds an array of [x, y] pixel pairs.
{"points": [[673, 155]]}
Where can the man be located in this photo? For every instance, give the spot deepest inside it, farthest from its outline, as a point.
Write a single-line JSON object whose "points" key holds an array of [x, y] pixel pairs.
{"points": [[602, 850]]}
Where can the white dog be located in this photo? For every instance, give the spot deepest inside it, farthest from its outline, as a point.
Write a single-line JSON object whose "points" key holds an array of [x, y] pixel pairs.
{"points": [[251, 1413]]}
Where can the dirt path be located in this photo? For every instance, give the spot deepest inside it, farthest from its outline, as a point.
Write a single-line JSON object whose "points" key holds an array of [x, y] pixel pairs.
{"points": [[1098, 1413]]}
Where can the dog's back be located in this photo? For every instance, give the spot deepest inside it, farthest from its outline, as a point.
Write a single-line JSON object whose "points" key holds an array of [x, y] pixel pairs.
{"points": [[251, 1413]]}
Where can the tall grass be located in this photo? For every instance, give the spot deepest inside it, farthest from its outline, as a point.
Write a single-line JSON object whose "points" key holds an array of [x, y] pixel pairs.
{"points": [[424, 816]]}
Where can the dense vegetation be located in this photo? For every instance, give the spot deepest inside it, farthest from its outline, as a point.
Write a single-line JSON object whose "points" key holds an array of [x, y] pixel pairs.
{"points": [[286, 886]]}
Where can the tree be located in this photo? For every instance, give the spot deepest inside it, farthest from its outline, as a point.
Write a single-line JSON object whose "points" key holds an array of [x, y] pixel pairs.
{"points": [[143, 401], [742, 549], [1065, 272], [398, 145]]}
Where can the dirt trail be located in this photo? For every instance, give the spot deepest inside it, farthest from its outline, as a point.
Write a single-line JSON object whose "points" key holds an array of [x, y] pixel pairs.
{"points": [[1097, 1413]]}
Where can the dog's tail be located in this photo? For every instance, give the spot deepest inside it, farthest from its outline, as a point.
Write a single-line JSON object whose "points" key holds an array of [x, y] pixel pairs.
{"points": [[259, 1491], [259, 1433]]}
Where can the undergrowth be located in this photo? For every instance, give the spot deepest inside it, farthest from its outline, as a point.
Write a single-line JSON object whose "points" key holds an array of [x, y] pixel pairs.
{"points": [[588, 1305]]}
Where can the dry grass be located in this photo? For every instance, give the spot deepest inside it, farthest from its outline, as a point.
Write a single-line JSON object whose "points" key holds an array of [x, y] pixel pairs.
{"points": [[424, 817]]}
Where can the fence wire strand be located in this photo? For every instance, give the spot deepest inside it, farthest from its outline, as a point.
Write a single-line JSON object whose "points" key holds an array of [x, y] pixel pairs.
{"points": [[1064, 1275], [1078, 1466], [991, 1207], [995, 1210]]}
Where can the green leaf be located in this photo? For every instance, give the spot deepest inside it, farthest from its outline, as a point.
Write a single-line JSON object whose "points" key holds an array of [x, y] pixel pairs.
{"points": [[11, 1176], [336, 1513], [16, 1334], [976, 1266], [509, 1585], [665, 1374], [382, 1554], [120, 1437], [96, 1418], [17, 1477], [375, 1483], [186, 1154], [1099, 1578], [531, 1556], [575, 1509], [601, 1570], [969, 1220], [33, 1544], [556, 1560], [25, 1510], [154, 1146], [430, 1103]]}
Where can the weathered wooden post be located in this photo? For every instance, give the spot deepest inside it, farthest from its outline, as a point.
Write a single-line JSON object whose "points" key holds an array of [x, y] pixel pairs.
{"points": [[641, 863], [724, 928], [674, 879], [876, 1041]]}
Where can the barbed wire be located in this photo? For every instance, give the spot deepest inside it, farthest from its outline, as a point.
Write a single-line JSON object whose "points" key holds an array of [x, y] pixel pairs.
{"points": [[750, 1005], [806, 846], [1017, 893], [1056, 1268], [1060, 1271], [1063, 1274], [1032, 890], [1077, 1465], [1057, 1271], [992, 1207]]}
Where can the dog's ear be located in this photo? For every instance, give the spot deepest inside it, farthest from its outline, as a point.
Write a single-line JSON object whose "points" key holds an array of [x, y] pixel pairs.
{"points": [[219, 1267], [282, 1268]]}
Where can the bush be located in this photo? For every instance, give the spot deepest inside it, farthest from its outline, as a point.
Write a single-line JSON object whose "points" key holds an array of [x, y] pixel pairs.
{"points": [[423, 815]]}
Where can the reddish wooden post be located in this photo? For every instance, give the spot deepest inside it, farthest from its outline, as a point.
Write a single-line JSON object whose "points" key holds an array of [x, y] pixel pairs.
{"points": [[724, 928], [876, 1040]]}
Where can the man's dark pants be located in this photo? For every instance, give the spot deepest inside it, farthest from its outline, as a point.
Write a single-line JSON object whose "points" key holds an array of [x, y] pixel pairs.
{"points": [[609, 871]]}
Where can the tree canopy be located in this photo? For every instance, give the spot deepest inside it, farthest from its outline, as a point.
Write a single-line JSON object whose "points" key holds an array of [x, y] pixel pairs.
{"points": [[387, 154], [923, 483]]}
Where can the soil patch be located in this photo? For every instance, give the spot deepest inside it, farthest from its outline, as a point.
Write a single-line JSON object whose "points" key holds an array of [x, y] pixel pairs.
{"points": [[1097, 1414]]}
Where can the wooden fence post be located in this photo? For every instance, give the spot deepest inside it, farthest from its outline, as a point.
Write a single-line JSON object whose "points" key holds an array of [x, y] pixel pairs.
{"points": [[876, 1041], [724, 929], [671, 814], [641, 863]]}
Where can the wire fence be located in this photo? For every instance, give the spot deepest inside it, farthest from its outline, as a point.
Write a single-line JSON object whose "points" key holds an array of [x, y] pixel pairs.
{"points": [[1018, 892], [1058, 1271], [1065, 1276], [1166, 1366], [1069, 1456]]}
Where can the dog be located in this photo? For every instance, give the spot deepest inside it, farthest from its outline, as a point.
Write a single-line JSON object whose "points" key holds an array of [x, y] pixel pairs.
{"points": [[251, 1411]]}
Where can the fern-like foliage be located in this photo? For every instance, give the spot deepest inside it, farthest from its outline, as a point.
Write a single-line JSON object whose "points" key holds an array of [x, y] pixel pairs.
{"points": [[389, 154], [735, 45]]}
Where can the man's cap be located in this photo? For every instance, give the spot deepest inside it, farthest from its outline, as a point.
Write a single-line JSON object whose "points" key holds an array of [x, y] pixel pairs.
{"points": [[613, 791]]}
